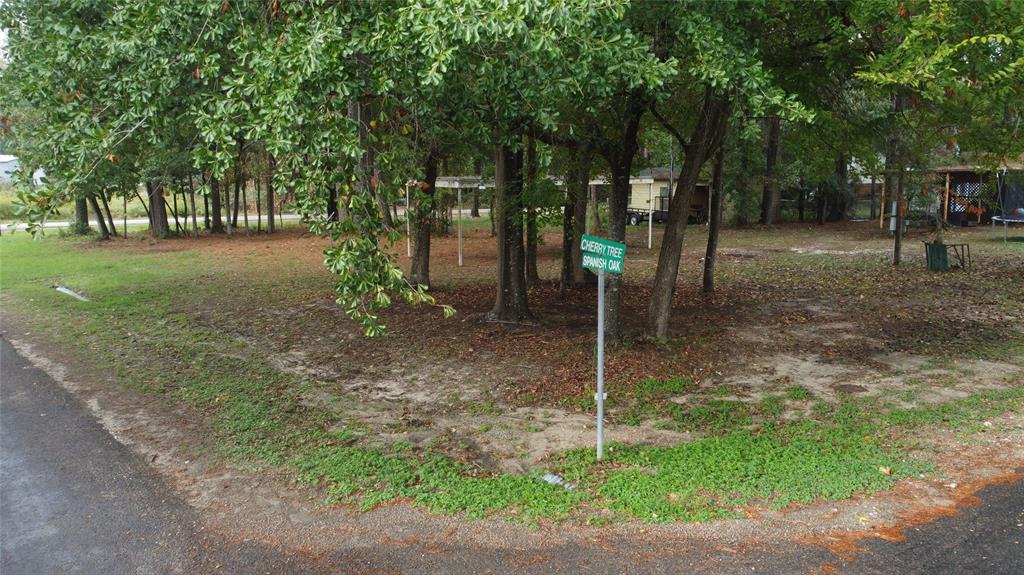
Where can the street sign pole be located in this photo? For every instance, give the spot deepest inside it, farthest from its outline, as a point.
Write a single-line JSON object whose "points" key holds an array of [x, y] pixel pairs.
{"points": [[600, 364], [601, 255]]}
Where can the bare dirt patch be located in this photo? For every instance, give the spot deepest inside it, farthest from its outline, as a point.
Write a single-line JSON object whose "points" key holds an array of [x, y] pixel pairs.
{"points": [[508, 396]]}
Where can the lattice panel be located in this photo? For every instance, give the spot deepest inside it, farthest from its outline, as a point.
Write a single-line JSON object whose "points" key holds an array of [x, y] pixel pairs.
{"points": [[966, 195]]}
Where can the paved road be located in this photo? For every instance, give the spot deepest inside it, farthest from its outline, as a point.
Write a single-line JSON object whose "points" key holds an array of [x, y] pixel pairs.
{"points": [[74, 500], [987, 538]]}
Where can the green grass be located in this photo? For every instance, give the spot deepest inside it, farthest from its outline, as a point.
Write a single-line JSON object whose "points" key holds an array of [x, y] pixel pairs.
{"points": [[651, 387], [773, 467], [962, 414], [798, 393], [6, 203], [650, 395], [715, 415], [141, 323], [771, 406]]}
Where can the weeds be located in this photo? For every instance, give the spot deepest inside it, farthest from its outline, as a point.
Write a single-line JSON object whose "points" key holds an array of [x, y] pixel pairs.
{"points": [[145, 330]]}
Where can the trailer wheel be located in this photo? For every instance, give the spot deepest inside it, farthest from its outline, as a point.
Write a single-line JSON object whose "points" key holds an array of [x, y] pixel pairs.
{"points": [[633, 219]]}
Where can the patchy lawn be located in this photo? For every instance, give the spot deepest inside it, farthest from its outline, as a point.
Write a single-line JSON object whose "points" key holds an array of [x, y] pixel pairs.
{"points": [[817, 371]]}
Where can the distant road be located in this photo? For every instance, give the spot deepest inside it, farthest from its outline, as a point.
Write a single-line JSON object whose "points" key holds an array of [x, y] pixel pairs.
{"points": [[144, 221], [139, 222]]}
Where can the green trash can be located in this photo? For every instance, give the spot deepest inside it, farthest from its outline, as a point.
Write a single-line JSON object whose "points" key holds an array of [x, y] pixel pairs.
{"points": [[937, 255]]}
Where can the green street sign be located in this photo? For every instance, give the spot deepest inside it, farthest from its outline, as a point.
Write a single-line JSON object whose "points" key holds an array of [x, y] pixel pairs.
{"points": [[600, 254]]}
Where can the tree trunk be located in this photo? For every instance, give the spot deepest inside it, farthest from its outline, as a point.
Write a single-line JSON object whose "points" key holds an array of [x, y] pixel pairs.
{"points": [[579, 186], [256, 185], [897, 148], [801, 204], [593, 216], [158, 211], [565, 277], [618, 202], [184, 207], [110, 218], [532, 276], [621, 163], [245, 202], [770, 195], [490, 213], [820, 205], [715, 220], [227, 209], [708, 130], [218, 221], [104, 231], [192, 196], [424, 221], [510, 301], [382, 205], [174, 212], [238, 191], [840, 203], [270, 193], [81, 215], [474, 212], [874, 212], [145, 207], [368, 164], [897, 246], [206, 203], [332, 204]]}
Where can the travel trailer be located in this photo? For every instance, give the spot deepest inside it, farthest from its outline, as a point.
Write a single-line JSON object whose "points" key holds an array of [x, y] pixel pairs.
{"points": [[650, 195]]}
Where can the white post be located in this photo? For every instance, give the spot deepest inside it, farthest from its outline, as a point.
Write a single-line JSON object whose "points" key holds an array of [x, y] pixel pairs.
{"points": [[650, 214], [600, 364], [408, 225], [460, 225]]}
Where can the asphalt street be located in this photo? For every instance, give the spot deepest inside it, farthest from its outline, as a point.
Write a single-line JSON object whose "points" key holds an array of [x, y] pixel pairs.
{"points": [[74, 500], [987, 538]]}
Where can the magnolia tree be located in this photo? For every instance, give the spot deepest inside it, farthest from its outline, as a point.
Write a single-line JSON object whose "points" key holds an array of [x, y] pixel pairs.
{"points": [[346, 102]]}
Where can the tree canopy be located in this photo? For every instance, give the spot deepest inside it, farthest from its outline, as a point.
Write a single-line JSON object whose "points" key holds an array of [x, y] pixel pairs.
{"points": [[348, 101]]}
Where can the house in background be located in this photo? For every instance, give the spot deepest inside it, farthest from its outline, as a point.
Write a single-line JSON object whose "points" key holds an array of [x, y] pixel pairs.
{"points": [[651, 192], [971, 195], [8, 165]]}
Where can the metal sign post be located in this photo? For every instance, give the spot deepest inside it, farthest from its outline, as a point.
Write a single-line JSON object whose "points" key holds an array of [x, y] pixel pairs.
{"points": [[600, 397], [601, 255]]}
